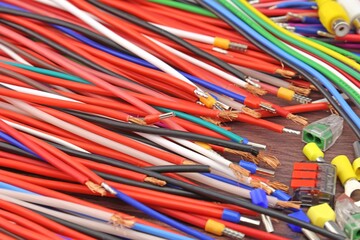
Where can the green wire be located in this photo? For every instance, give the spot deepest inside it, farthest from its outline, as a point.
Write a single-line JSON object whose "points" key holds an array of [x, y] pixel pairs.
{"points": [[255, 25], [186, 7], [337, 49], [231, 135], [47, 72], [199, 121]]}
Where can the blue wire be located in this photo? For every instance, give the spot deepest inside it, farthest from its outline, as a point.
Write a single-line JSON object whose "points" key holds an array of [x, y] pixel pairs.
{"points": [[144, 63], [282, 54], [16, 143], [15, 189], [301, 5], [309, 30], [149, 211], [158, 232], [310, 20]]}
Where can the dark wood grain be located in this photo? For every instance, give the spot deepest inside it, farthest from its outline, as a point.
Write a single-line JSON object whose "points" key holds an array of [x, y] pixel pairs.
{"points": [[287, 147]]}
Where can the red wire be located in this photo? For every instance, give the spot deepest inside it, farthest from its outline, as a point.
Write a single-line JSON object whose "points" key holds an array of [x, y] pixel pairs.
{"points": [[3, 236], [21, 231], [9, 178], [22, 221], [301, 108], [37, 218]]}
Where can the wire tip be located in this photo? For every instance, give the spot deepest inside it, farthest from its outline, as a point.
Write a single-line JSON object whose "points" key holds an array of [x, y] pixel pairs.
{"points": [[95, 188], [155, 181], [297, 119]]}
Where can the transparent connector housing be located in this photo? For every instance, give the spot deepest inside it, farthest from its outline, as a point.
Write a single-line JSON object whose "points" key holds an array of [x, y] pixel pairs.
{"points": [[324, 189], [324, 132], [348, 217]]}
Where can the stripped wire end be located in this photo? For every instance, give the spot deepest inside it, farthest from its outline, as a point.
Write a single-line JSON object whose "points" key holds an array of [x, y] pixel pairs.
{"points": [[289, 204], [251, 112], [313, 88], [269, 160], [297, 119], [239, 171], [127, 221], [279, 186], [212, 120], [95, 188], [221, 106], [325, 34], [255, 90], [228, 115], [300, 90], [245, 155], [285, 73], [135, 120], [188, 162], [155, 181]]}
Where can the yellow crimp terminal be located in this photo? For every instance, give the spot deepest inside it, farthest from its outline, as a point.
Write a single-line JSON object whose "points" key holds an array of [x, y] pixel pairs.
{"points": [[320, 214], [285, 94], [344, 170], [208, 101], [214, 227], [356, 167], [222, 43], [204, 145], [312, 151], [330, 12]]}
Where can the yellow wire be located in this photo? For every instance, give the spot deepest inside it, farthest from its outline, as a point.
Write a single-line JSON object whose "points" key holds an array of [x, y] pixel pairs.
{"points": [[326, 50]]}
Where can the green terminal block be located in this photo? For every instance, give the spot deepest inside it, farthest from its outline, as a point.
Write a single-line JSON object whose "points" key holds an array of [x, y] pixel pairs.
{"points": [[324, 132], [348, 217]]}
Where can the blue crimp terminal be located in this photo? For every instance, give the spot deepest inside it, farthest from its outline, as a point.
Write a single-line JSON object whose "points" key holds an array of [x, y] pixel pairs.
{"points": [[231, 216], [281, 195], [259, 197], [298, 215], [248, 166]]}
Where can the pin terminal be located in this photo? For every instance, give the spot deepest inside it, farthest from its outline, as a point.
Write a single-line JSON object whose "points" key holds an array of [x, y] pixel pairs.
{"points": [[356, 162], [347, 177], [323, 216], [313, 152], [300, 215]]}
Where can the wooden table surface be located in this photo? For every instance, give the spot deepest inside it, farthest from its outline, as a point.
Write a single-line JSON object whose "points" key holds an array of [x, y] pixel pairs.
{"points": [[288, 148]]}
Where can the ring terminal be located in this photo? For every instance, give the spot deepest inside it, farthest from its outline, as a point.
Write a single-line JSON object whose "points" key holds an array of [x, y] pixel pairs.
{"points": [[356, 162], [348, 217], [346, 174], [324, 132], [323, 216]]}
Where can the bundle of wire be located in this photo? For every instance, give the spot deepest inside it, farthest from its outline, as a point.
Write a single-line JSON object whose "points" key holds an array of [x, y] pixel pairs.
{"points": [[126, 100]]}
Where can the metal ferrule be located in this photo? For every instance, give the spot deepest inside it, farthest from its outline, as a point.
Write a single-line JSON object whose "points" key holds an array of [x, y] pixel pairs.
{"points": [[291, 131], [265, 171], [257, 145], [249, 220], [301, 99], [238, 46], [310, 235], [334, 228], [340, 27], [232, 234], [267, 223]]}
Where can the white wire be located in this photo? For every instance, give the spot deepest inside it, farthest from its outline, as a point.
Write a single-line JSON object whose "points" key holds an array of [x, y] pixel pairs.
{"points": [[60, 204], [13, 55], [120, 40], [38, 92], [202, 64], [188, 35], [331, 69], [220, 166], [94, 225], [86, 134], [45, 136]]}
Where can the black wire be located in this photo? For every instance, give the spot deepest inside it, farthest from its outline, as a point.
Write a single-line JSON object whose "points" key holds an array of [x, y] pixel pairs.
{"points": [[10, 234], [130, 182], [176, 168], [308, 76], [179, 168], [93, 35], [65, 50], [206, 192], [164, 132], [174, 38], [81, 229]]}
